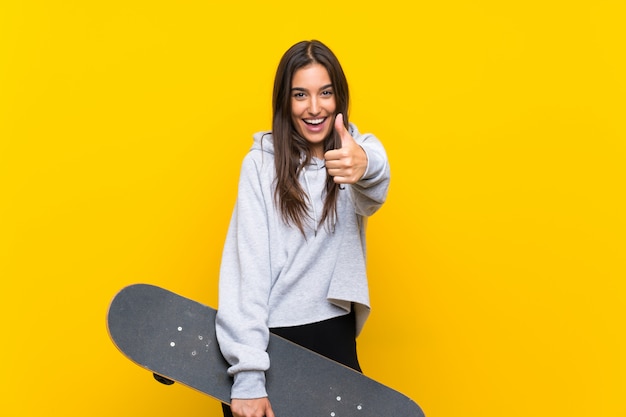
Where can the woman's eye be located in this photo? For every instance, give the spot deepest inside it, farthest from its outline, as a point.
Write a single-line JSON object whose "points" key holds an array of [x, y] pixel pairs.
{"points": [[327, 93], [298, 95]]}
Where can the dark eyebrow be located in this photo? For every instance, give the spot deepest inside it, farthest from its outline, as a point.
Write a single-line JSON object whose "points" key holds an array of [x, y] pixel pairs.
{"points": [[324, 87]]}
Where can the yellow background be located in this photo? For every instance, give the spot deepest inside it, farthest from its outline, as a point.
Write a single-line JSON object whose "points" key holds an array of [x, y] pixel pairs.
{"points": [[497, 266]]}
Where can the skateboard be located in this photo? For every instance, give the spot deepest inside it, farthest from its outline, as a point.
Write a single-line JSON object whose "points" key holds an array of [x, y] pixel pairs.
{"points": [[174, 338]]}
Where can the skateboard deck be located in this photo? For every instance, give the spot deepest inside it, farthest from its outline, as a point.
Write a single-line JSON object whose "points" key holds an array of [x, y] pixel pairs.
{"points": [[174, 338]]}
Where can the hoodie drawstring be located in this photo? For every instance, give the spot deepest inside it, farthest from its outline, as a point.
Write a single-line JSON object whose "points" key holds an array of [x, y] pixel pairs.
{"points": [[308, 191]]}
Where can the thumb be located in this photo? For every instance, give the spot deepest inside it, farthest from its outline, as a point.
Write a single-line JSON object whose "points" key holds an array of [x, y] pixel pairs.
{"points": [[341, 129]]}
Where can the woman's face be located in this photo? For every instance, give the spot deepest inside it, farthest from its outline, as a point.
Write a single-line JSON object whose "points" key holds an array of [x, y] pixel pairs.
{"points": [[313, 105]]}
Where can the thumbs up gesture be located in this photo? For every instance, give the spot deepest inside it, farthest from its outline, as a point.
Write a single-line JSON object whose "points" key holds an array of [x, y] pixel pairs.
{"points": [[347, 164]]}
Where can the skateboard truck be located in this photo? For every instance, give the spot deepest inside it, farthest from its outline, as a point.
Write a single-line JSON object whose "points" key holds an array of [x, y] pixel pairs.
{"points": [[163, 380]]}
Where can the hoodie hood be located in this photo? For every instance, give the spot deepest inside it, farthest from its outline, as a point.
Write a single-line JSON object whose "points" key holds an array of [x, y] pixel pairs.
{"points": [[312, 177], [263, 141]]}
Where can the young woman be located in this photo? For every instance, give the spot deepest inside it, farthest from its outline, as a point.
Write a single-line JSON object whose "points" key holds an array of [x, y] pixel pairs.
{"points": [[294, 257]]}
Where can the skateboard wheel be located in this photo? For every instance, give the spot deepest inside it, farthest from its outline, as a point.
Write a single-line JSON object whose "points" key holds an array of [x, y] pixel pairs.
{"points": [[162, 379]]}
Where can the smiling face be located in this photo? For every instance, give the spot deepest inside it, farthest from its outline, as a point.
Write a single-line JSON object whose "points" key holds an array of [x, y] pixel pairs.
{"points": [[313, 105]]}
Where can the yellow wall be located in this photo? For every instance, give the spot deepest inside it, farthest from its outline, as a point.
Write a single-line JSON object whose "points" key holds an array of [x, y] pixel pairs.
{"points": [[497, 265]]}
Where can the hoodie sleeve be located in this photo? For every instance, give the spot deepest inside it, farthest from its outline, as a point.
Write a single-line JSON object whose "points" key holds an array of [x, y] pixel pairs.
{"points": [[244, 286], [370, 192]]}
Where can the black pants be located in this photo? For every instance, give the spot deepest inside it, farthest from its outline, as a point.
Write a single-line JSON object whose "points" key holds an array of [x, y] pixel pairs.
{"points": [[334, 338]]}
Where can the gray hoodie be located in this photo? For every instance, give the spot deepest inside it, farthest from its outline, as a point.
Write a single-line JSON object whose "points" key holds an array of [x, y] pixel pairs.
{"points": [[273, 276]]}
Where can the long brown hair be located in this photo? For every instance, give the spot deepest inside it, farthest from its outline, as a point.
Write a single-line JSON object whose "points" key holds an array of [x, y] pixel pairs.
{"points": [[291, 151]]}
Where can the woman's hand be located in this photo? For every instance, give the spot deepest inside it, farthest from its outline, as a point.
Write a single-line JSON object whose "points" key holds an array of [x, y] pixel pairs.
{"points": [[256, 407], [347, 164]]}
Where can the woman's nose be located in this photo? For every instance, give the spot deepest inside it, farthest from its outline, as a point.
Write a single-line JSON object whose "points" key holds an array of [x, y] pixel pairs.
{"points": [[314, 107]]}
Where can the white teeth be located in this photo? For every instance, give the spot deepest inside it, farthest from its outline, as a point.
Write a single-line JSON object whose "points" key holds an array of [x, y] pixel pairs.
{"points": [[314, 121]]}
